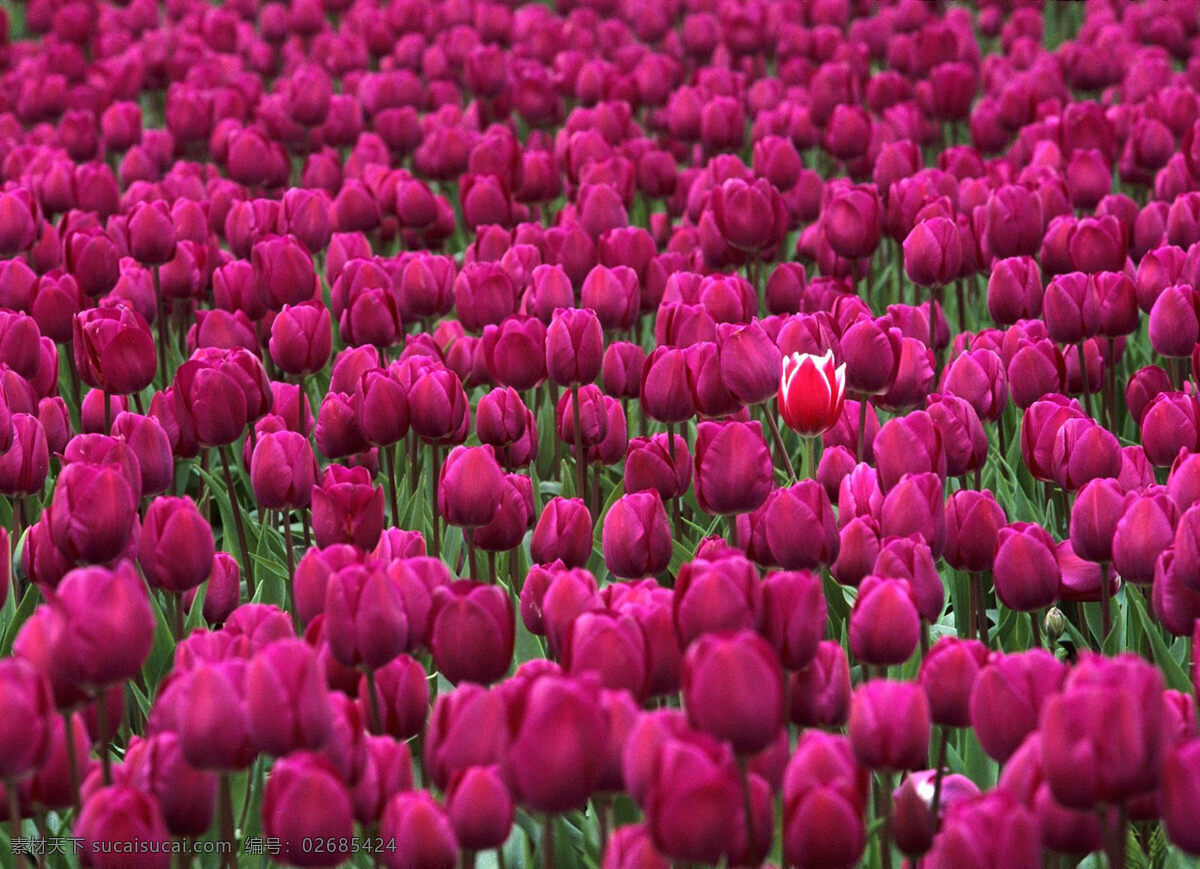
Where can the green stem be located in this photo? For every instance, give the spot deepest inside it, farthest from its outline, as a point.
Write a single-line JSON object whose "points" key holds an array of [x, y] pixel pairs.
{"points": [[72, 758], [228, 834], [248, 565], [580, 455], [777, 436], [548, 842], [433, 501], [373, 702], [14, 810], [862, 425]]}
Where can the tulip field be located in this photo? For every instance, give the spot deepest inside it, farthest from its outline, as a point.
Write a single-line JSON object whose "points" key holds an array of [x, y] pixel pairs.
{"points": [[599, 434]]}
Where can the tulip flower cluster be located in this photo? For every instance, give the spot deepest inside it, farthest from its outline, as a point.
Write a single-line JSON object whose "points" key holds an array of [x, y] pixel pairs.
{"points": [[618, 433]]}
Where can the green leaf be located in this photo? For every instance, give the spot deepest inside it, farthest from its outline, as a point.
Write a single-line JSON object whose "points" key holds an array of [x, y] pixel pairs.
{"points": [[1172, 670], [158, 662], [20, 615]]}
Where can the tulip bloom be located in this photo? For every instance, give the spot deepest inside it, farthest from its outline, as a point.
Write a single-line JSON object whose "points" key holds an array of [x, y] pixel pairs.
{"points": [[733, 689], [811, 393]]}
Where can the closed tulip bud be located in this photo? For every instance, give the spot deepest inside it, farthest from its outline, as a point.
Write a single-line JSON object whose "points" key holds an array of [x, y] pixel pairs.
{"points": [[1118, 304], [472, 632], [480, 808], [990, 831], [1183, 481], [175, 548], [1146, 528], [793, 616], [872, 356], [631, 846], [1014, 222], [908, 444], [92, 413], [749, 362], [859, 494], [1170, 423], [563, 531], [621, 369], [858, 548], [151, 234], [388, 771], [889, 725], [824, 798], [697, 771], [979, 377], [301, 338], [884, 624], [650, 463], [851, 220], [574, 346], [470, 487], [567, 595], [611, 646], [113, 349], [592, 415], [466, 728], [551, 762], [1026, 571], [1014, 290], [438, 406], [636, 538], [381, 408], [25, 465], [613, 294], [402, 694], [915, 506], [306, 800], [483, 294], [1175, 604], [1111, 711], [1008, 697], [1084, 451], [91, 606], [803, 505], [188, 796], [91, 516], [1174, 321], [212, 400], [27, 732], [811, 393], [933, 252], [973, 522], [424, 835], [733, 467], [1181, 788], [716, 596], [347, 509], [664, 389], [721, 666], [366, 621], [948, 675], [514, 352], [1071, 308], [287, 703], [1036, 370], [146, 438], [282, 471], [121, 817], [819, 694], [749, 216], [909, 559], [222, 592], [1039, 427]]}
